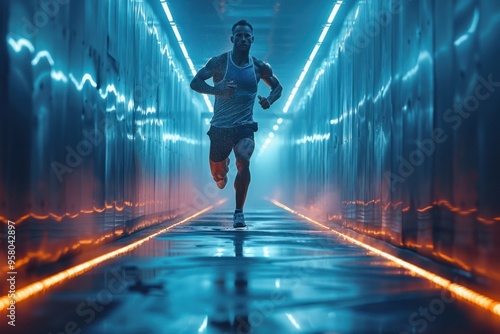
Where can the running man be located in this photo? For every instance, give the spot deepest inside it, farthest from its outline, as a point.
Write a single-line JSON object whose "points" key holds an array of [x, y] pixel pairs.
{"points": [[235, 75]]}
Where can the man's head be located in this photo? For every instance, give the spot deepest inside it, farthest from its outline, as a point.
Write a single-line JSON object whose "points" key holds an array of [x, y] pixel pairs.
{"points": [[242, 37], [242, 23]]}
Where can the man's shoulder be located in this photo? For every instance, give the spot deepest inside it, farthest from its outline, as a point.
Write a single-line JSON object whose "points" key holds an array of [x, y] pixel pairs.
{"points": [[219, 59], [257, 61], [261, 65]]}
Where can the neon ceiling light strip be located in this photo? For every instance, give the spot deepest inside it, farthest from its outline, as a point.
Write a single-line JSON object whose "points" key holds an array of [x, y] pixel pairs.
{"points": [[303, 74], [183, 48], [321, 38]]}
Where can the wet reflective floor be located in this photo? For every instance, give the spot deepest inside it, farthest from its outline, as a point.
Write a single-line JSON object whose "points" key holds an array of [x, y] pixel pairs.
{"points": [[281, 275]]}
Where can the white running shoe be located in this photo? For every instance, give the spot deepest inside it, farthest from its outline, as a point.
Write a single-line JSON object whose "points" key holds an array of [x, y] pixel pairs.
{"points": [[239, 220]]}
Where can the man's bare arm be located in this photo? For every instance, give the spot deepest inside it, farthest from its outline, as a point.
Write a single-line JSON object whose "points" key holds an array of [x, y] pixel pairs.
{"points": [[206, 72], [198, 83], [276, 88], [272, 81]]}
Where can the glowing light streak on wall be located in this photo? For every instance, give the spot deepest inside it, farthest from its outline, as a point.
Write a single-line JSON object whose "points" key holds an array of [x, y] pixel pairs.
{"points": [[42, 54], [470, 31], [175, 138], [21, 43], [314, 138], [45, 284], [443, 202], [58, 76]]}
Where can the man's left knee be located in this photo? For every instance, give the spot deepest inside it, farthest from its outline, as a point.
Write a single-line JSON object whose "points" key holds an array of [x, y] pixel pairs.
{"points": [[242, 164], [244, 149]]}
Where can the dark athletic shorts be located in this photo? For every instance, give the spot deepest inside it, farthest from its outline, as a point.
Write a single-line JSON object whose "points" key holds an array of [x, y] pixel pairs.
{"points": [[222, 140]]}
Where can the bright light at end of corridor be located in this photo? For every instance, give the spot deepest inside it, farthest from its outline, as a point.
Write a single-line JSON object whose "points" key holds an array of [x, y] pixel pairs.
{"points": [[43, 285], [459, 290]]}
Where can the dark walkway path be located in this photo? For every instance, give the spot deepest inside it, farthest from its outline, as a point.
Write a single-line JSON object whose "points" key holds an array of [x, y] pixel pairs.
{"points": [[281, 275]]}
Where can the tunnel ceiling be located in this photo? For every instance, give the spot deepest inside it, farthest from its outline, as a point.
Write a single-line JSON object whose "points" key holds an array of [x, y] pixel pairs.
{"points": [[285, 33]]}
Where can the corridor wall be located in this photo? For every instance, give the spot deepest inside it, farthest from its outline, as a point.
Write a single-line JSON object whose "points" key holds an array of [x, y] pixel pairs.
{"points": [[398, 137], [100, 132]]}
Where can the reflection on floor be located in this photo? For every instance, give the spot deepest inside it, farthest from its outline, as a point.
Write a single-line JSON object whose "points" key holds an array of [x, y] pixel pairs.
{"points": [[281, 275]]}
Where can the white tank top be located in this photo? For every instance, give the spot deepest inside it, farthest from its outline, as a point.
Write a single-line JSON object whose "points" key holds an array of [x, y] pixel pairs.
{"points": [[236, 109]]}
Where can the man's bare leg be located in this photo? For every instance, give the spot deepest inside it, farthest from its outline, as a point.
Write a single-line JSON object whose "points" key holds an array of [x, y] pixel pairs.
{"points": [[219, 172], [243, 151]]}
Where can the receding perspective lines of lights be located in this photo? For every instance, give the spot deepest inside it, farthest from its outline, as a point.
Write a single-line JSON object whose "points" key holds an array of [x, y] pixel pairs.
{"points": [[478, 299], [321, 38], [43, 285], [327, 26], [183, 47]]}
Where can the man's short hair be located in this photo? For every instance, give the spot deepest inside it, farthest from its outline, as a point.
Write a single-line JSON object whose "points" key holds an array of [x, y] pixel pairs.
{"points": [[242, 23]]}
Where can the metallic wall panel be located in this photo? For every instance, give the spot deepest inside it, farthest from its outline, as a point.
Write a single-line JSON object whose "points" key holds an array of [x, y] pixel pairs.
{"points": [[100, 130], [398, 130]]}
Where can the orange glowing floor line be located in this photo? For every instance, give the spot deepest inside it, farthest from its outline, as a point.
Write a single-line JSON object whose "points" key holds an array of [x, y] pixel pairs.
{"points": [[34, 288], [461, 291]]}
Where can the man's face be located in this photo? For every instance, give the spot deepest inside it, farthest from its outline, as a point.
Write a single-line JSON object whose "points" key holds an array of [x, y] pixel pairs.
{"points": [[242, 37]]}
